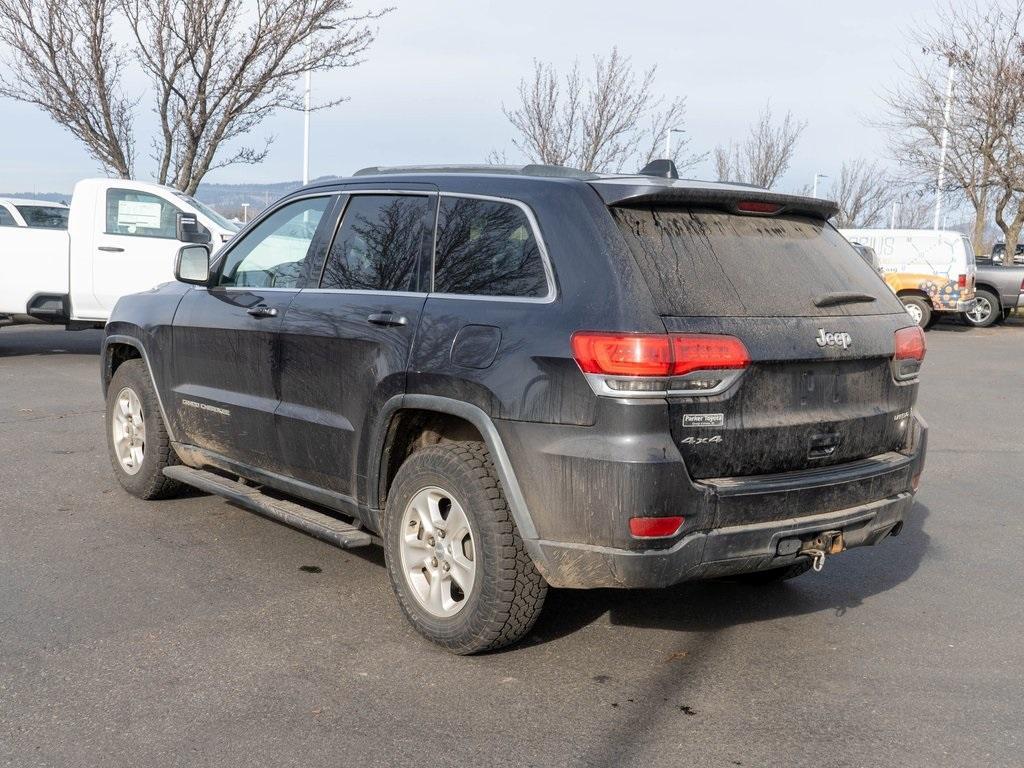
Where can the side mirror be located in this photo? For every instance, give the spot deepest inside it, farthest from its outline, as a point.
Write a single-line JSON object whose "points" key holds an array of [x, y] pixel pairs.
{"points": [[188, 229], [192, 265]]}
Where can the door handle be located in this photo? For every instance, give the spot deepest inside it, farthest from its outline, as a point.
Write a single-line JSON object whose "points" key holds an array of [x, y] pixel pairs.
{"points": [[110, 249], [387, 318], [262, 310]]}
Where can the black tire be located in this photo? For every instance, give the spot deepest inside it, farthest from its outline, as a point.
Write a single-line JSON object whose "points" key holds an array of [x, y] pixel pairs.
{"points": [[776, 575], [508, 592], [921, 305], [995, 312], [149, 481]]}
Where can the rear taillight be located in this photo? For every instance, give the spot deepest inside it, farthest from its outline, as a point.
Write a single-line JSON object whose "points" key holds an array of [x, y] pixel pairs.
{"points": [[654, 527], [909, 353], [651, 364], [962, 282]]}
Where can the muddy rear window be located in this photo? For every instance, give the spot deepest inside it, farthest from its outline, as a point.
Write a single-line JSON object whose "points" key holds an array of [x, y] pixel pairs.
{"points": [[711, 263]]}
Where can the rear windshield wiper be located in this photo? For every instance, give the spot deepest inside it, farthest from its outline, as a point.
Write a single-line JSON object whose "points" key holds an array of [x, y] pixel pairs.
{"points": [[843, 297]]}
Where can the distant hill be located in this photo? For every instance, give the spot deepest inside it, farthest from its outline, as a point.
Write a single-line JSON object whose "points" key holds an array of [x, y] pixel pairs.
{"points": [[226, 199]]}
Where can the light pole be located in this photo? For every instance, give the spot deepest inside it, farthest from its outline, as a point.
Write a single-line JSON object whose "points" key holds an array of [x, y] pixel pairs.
{"points": [[668, 141], [945, 144], [305, 132], [816, 177], [245, 213], [305, 108]]}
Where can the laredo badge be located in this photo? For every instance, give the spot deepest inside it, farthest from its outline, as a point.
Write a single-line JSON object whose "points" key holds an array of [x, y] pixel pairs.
{"points": [[703, 419]]}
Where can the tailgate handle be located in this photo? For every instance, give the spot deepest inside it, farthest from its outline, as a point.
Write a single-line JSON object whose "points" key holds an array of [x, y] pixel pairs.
{"points": [[823, 446]]}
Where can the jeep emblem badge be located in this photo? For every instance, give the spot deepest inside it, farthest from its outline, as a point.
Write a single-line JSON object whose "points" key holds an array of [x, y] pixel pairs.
{"points": [[823, 339]]}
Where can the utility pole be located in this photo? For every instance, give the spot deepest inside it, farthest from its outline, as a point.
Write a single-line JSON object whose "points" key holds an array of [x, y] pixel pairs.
{"points": [[245, 213], [945, 145]]}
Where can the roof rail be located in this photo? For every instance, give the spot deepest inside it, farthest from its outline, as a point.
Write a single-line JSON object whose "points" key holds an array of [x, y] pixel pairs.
{"points": [[550, 171]]}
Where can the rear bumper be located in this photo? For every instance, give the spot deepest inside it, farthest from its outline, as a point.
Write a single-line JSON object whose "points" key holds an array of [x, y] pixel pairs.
{"points": [[965, 306], [719, 552], [743, 547]]}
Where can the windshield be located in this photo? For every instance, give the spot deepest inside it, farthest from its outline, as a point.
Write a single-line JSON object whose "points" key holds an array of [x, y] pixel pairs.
{"points": [[711, 263], [44, 216], [211, 214]]}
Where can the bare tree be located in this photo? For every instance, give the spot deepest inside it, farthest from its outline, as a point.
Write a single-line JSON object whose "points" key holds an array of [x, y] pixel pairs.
{"points": [[864, 193], [217, 69], [607, 120], [983, 47], [764, 155], [64, 60]]}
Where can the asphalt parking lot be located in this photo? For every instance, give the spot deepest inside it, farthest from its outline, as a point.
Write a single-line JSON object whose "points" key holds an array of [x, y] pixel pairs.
{"points": [[193, 633]]}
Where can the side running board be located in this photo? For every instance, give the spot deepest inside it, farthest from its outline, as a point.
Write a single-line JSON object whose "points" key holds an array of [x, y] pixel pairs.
{"points": [[329, 529]]}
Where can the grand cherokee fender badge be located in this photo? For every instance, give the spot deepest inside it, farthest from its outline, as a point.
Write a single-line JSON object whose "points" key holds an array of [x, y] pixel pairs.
{"points": [[206, 407], [824, 339]]}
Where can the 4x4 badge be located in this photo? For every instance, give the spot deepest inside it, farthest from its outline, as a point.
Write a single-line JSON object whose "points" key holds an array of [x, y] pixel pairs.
{"points": [[823, 339]]}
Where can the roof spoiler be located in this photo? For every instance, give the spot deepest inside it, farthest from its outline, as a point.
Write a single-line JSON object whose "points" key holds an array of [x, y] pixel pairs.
{"points": [[712, 195]]}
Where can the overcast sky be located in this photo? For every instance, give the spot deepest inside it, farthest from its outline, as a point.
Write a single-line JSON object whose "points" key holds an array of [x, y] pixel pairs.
{"points": [[435, 81]]}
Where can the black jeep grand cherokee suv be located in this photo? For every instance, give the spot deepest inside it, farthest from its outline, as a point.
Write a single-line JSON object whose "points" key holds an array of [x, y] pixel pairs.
{"points": [[515, 378]]}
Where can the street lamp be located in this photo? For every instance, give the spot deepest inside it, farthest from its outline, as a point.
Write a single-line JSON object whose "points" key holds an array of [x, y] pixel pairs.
{"points": [[668, 141], [305, 131], [245, 213], [816, 177], [945, 144]]}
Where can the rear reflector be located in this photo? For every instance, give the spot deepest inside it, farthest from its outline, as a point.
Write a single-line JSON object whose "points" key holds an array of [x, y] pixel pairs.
{"points": [[755, 206], [657, 354], [910, 344], [962, 282], [654, 527]]}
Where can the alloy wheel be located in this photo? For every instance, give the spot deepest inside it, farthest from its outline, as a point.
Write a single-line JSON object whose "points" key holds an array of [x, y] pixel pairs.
{"points": [[129, 428], [439, 556]]}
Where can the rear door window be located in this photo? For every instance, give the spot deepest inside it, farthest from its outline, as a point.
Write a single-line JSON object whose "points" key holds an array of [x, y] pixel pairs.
{"points": [[712, 263], [44, 216], [381, 243], [487, 248], [6, 219]]}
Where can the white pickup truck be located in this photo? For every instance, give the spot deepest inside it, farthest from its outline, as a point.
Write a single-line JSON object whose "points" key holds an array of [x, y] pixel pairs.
{"points": [[122, 237]]}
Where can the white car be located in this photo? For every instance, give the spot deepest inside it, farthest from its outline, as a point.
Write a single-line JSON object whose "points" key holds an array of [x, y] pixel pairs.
{"points": [[35, 214]]}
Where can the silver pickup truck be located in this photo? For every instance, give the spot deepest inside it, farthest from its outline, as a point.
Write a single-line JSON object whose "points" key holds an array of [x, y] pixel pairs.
{"points": [[999, 291]]}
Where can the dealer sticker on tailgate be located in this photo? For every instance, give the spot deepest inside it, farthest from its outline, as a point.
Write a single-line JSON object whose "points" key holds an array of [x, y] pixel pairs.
{"points": [[703, 419]]}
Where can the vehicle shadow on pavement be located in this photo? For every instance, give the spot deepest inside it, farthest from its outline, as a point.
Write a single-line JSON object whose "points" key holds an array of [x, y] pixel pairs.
{"points": [[37, 340], [708, 606], [951, 326]]}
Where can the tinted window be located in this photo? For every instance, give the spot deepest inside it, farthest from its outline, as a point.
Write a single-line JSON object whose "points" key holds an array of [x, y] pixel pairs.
{"points": [[273, 254], [44, 216], [711, 263], [379, 244], [140, 214], [487, 248], [6, 219]]}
